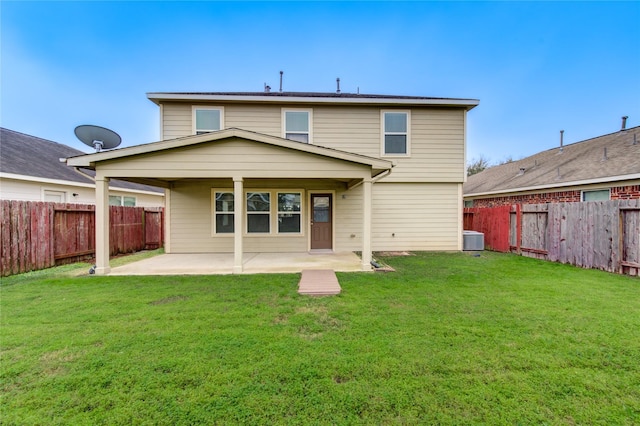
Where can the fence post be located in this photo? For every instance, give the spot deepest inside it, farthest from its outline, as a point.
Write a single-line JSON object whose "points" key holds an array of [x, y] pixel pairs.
{"points": [[519, 229]]}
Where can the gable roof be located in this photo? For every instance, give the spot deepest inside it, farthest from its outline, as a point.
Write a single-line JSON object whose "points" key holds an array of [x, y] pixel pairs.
{"points": [[312, 98], [89, 160], [575, 164], [26, 155]]}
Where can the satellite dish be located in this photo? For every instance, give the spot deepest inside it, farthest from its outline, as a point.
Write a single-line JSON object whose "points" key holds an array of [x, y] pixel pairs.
{"points": [[98, 137]]}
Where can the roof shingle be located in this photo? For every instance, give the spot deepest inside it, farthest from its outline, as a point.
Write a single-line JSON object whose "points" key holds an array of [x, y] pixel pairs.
{"points": [[27, 155], [580, 161]]}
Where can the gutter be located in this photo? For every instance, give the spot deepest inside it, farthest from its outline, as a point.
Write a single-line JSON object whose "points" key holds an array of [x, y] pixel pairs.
{"points": [[157, 98]]}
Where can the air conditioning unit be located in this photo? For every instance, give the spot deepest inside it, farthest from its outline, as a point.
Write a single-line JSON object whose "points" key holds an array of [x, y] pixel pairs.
{"points": [[472, 241]]}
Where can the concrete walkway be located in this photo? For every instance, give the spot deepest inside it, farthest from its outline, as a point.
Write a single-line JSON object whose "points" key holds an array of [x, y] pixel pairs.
{"points": [[254, 263], [319, 282]]}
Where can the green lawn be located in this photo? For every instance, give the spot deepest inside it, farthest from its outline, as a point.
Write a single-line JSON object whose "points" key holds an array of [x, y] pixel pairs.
{"points": [[447, 339]]}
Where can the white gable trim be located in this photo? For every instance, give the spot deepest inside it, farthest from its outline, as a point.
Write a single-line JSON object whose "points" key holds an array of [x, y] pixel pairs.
{"points": [[89, 160]]}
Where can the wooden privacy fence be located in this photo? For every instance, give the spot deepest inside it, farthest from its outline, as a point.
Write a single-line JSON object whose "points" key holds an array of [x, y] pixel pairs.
{"points": [[600, 234], [38, 235]]}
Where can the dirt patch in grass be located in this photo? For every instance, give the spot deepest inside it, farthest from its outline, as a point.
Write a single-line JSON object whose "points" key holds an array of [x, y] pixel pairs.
{"points": [[393, 253], [167, 300]]}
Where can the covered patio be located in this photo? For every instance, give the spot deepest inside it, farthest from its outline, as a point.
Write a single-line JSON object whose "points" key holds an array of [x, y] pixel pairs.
{"points": [[253, 263], [223, 199]]}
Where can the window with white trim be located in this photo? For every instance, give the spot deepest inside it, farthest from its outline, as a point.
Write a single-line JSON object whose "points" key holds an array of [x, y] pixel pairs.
{"points": [[395, 132], [296, 125], [207, 119], [271, 212], [54, 196], [119, 200], [596, 195], [258, 212], [223, 210], [289, 212]]}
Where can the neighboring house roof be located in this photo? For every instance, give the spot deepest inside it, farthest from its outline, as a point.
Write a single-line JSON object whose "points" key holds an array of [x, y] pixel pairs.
{"points": [[30, 156], [608, 158], [311, 98], [377, 165]]}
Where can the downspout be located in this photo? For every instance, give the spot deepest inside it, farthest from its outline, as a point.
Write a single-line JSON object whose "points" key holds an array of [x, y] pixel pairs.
{"points": [[381, 175], [374, 180]]}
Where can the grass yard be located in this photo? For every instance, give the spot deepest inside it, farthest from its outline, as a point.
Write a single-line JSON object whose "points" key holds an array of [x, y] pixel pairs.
{"points": [[447, 339]]}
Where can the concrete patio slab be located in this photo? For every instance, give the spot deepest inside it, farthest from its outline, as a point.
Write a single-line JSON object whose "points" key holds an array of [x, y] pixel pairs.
{"points": [[254, 263]]}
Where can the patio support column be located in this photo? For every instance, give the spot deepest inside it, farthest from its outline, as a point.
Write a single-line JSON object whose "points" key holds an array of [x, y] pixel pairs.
{"points": [[238, 223], [102, 226], [366, 224]]}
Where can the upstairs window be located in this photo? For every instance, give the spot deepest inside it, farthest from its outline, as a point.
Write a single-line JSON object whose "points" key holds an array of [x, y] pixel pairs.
{"points": [[297, 125], [395, 132], [207, 119]]}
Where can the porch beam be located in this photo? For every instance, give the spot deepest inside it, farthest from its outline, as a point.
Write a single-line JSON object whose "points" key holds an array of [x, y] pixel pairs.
{"points": [[102, 226], [366, 223], [238, 223], [353, 183]]}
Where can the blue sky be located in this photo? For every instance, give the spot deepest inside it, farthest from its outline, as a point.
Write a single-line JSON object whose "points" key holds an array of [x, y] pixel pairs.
{"points": [[536, 67]]}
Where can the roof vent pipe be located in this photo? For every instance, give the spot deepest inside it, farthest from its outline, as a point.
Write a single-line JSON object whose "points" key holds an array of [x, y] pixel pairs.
{"points": [[338, 83], [281, 72], [624, 122], [635, 141], [561, 140], [604, 156]]}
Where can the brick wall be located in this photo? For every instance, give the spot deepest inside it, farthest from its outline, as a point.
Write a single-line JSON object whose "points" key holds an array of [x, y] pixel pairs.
{"points": [[625, 192], [617, 193]]}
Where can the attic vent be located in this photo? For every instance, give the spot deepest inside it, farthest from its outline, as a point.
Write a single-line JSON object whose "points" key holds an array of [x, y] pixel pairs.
{"points": [[521, 172]]}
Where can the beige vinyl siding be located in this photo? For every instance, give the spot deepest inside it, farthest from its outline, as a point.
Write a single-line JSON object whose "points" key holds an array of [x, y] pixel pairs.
{"points": [[423, 216], [348, 220], [256, 118], [176, 120], [437, 140], [191, 227], [191, 216], [233, 158], [437, 134], [350, 129]]}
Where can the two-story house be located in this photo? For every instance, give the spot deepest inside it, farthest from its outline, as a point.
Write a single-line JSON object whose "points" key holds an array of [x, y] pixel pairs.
{"points": [[295, 172]]}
